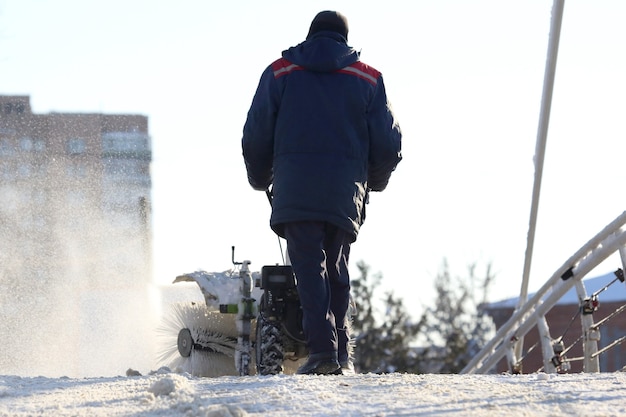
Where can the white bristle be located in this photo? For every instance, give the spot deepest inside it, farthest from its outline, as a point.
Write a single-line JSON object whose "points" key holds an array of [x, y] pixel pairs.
{"points": [[209, 328]]}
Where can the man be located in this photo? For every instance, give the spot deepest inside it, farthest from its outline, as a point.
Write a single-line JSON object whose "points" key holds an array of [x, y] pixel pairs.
{"points": [[321, 132]]}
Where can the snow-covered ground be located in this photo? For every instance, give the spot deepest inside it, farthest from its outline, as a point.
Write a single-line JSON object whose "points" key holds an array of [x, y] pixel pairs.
{"points": [[167, 394]]}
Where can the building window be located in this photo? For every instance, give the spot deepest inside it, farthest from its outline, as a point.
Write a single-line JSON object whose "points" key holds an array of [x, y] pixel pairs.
{"points": [[26, 144], [6, 147], [39, 145], [24, 170], [125, 142], [14, 108], [76, 146], [119, 171]]}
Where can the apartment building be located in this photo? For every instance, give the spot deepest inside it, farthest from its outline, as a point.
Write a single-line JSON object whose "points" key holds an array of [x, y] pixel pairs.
{"points": [[75, 231]]}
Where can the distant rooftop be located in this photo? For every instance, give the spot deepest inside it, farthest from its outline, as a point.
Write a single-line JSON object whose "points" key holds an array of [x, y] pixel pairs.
{"points": [[14, 105], [615, 293]]}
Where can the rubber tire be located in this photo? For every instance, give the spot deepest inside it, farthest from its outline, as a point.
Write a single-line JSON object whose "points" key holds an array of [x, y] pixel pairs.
{"points": [[270, 352]]}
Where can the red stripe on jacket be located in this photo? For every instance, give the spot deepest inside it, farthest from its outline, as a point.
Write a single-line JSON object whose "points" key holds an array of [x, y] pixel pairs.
{"points": [[362, 71], [282, 67]]}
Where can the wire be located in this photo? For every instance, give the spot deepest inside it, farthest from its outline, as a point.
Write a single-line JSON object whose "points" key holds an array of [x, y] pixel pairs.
{"points": [[280, 246], [270, 197]]}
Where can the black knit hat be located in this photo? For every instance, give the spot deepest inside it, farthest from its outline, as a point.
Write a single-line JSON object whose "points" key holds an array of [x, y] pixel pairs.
{"points": [[329, 20]]}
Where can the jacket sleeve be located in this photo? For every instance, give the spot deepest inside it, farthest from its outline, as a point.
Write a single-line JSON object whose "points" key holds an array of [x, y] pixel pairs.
{"points": [[258, 133], [385, 150]]}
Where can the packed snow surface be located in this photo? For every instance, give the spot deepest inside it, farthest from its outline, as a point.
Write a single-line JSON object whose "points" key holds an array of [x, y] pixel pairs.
{"points": [[166, 393]]}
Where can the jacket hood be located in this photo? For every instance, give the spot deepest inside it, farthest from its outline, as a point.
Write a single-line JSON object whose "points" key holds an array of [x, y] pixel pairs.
{"points": [[325, 51]]}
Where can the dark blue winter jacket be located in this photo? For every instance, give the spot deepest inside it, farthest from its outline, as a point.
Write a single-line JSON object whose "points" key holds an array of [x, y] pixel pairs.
{"points": [[321, 131]]}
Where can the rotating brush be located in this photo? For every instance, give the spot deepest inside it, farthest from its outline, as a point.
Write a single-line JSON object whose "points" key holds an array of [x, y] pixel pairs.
{"points": [[199, 340]]}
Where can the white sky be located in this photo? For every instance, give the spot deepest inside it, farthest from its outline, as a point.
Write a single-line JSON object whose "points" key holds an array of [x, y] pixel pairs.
{"points": [[465, 79]]}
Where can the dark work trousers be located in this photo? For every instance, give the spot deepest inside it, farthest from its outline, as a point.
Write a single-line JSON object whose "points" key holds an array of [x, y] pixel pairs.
{"points": [[319, 253]]}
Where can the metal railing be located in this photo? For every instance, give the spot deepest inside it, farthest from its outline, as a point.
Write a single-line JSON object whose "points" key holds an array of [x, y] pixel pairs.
{"points": [[531, 314]]}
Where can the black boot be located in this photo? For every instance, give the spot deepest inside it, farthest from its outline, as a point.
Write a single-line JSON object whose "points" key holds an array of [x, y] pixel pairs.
{"points": [[324, 363]]}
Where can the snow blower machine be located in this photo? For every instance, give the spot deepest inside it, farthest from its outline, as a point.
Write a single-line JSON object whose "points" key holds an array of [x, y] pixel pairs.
{"points": [[249, 323]]}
